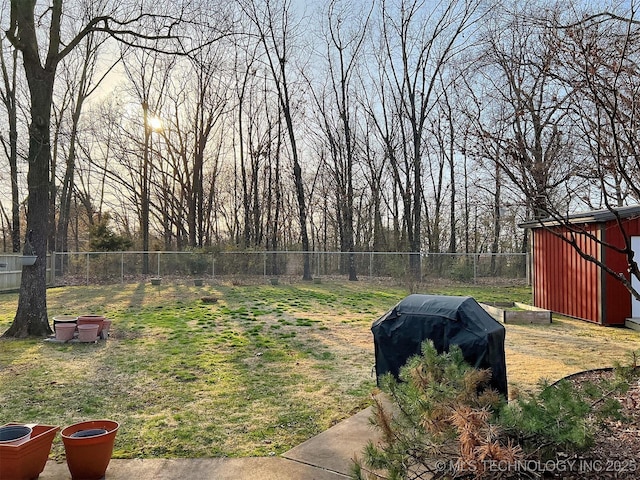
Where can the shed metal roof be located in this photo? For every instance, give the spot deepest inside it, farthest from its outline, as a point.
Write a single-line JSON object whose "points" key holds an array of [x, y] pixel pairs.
{"points": [[593, 216]]}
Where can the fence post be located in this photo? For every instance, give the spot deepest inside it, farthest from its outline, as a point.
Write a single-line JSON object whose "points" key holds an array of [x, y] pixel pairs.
{"points": [[121, 267], [87, 268], [475, 268], [213, 266], [53, 268], [158, 253]]}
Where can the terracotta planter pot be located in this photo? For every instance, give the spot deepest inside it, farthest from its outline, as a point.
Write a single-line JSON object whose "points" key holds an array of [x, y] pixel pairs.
{"points": [[27, 460], [65, 331], [88, 456], [87, 333], [92, 319]]}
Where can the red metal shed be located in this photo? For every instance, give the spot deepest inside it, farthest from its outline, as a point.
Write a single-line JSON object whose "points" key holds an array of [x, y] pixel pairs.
{"points": [[566, 283]]}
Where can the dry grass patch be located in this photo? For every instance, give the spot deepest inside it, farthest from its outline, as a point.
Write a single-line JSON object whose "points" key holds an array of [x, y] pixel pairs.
{"points": [[565, 346]]}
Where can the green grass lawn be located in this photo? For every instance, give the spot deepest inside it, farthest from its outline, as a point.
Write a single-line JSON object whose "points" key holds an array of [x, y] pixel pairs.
{"points": [[256, 373]]}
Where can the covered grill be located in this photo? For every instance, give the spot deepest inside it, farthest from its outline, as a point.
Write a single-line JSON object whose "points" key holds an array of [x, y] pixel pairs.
{"points": [[445, 320]]}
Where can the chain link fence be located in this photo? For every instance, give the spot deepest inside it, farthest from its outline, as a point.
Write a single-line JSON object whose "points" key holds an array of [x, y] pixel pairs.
{"points": [[114, 267]]}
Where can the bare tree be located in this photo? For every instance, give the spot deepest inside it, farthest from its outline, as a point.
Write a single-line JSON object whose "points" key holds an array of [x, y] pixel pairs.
{"points": [[211, 102], [195, 99], [526, 110], [276, 32], [8, 95], [149, 73], [40, 66], [343, 37], [374, 173], [417, 43], [252, 91], [82, 80], [599, 54]]}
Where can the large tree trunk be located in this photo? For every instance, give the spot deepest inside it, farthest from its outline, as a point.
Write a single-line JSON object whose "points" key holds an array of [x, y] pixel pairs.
{"points": [[31, 316]]}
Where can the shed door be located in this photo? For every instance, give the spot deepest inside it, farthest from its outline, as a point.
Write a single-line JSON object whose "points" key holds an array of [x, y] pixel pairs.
{"points": [[635, 283]]}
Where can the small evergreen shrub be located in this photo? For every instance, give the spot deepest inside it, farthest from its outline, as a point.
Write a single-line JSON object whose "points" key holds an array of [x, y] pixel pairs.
{"points": [[554, 418], [443, 421], [438, 423]]}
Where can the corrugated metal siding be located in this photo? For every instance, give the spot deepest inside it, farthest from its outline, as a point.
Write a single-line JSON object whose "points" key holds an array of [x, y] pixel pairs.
{"points": [[616, 298], [566, 283], [563, 281]]}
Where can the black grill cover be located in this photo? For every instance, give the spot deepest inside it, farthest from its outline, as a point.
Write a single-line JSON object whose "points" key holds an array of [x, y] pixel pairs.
{"points": [[445, 320]]}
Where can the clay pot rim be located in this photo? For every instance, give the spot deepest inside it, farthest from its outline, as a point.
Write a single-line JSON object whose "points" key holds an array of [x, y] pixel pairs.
{"points": [[64, 318], [26, 432], [87, 326], [109, 425]]}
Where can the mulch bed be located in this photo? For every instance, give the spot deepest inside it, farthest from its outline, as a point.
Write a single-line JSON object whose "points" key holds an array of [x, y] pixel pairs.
{"points": [[616, 452]]}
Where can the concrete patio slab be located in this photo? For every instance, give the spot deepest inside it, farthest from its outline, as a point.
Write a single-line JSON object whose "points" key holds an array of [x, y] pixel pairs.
{"points": [[327, 456], [267, 468], [336, 448]]}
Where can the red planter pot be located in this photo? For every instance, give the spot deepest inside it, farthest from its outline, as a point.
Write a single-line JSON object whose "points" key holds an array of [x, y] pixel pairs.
{"points": [[89, 457], [27, 460], [92, 319]]}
